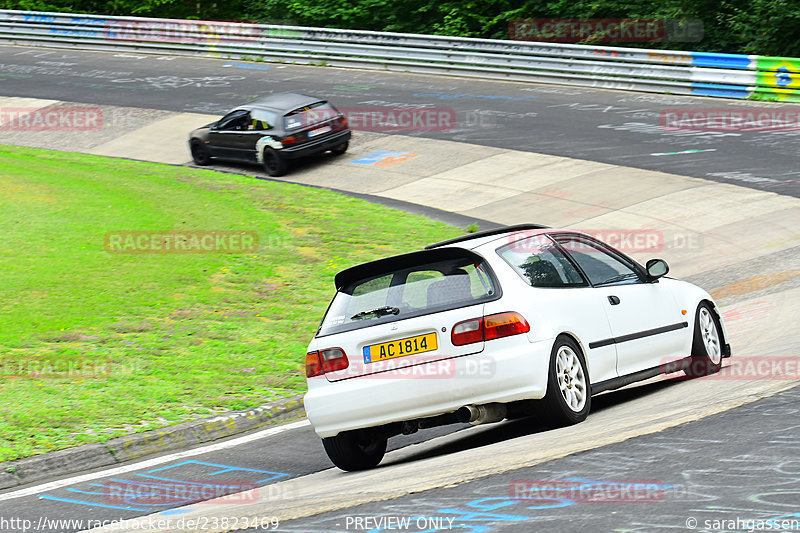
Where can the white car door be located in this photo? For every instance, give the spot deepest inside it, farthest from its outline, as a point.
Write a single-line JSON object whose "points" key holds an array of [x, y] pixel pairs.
{"points": [[647, 326], [563, 299]]}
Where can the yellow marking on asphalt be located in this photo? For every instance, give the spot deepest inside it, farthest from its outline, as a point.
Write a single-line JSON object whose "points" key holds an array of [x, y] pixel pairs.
{"points": [[756, 283]]}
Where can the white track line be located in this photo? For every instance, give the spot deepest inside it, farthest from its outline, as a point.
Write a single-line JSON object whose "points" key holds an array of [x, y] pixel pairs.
{"points": [[153, 462]]}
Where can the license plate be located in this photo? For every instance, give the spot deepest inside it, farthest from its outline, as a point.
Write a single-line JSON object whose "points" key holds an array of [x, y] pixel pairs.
{"points": [[400, 348], [319, 131]]}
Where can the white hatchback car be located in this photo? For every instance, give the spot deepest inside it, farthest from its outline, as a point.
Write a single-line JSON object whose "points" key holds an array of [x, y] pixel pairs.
{"points": [[518, 320]]}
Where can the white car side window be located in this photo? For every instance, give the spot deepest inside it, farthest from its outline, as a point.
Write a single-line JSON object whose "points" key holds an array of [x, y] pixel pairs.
{"points": [[599, 266], [541, 263]]}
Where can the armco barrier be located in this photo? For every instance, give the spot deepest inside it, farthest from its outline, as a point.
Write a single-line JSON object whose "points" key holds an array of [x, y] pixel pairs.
{"points": [[663, 71]]}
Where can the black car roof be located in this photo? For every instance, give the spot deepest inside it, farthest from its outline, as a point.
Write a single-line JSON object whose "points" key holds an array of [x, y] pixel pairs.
{"points": [[282, 101], [487, 233]]}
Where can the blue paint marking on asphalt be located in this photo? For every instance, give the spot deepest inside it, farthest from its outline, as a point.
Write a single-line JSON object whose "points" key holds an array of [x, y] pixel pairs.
{"points": [[374, 157], [91, 504], [152, 484], [594, 482], [483, 510], [129, 486], [559, 502], [176, 511], [473, 528], [248, 66], [472, 516], [167, 488], [223, 470], [70, 489]]}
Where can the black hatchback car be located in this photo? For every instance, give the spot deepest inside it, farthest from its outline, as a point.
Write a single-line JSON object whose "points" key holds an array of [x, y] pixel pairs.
{"points": [[272, 130]]}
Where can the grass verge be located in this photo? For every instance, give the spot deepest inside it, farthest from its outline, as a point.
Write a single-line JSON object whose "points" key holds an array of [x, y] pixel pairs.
{"points": [[96, 344]]}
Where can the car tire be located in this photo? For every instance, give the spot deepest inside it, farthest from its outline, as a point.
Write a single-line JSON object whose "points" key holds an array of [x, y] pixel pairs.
{"points": [[355, 450], [274, 164], [199, 154], [340, 149], [706, 343], [568, 398]]}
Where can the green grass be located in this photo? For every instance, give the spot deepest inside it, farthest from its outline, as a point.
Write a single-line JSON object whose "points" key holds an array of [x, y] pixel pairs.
{"points": [[154, 339]]}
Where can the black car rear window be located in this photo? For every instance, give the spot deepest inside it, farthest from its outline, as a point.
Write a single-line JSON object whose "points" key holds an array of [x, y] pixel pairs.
{"points": [[261, 119], [309, 115], [396, 294]]}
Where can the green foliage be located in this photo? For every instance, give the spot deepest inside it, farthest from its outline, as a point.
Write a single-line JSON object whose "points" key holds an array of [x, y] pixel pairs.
{"points": [[182, 9], [769, 27], [736, 26]]}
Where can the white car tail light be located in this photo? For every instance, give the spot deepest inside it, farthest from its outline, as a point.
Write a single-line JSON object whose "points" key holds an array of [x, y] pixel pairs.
{"points": [[467, 332]]}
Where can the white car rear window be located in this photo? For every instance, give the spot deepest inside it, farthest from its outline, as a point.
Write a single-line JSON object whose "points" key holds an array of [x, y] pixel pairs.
{"points": [[424, 289]]}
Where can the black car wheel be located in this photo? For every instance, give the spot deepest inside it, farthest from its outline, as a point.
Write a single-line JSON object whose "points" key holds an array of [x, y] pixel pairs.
{"points": [[342, 148], [274, 164], [706, 343], [569, 398], [199, 154], [355, 450]]}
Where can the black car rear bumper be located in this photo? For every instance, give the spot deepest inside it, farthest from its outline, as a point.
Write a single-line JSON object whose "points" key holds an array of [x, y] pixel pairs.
{"points": [[316, 146]]}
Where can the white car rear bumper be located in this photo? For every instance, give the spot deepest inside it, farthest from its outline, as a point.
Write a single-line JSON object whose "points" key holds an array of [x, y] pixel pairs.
{"points": [[509, 369]]}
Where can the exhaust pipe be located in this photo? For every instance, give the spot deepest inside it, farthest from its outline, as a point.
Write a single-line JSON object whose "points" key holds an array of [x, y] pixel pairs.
{"points": [[481, 414]]}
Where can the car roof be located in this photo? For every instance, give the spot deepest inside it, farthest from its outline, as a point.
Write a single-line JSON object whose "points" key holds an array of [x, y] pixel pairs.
{"points": [[474, 240], [282, 101], [459, 246]]}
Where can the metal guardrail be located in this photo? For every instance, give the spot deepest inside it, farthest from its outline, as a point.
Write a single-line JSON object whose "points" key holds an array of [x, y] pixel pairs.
{"points": [[663, 71]]}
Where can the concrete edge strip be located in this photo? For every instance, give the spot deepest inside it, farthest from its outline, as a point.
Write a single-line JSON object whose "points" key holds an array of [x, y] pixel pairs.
{"points": [[138, 445], [434, 213]]}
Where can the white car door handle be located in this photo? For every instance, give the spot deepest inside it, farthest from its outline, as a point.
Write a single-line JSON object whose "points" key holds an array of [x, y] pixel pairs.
{"points": [[613, 300]]}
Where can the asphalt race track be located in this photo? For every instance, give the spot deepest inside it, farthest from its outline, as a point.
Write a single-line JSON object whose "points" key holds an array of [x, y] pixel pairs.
{"points": [[656, 455], [622, 128], [631, 487]]}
